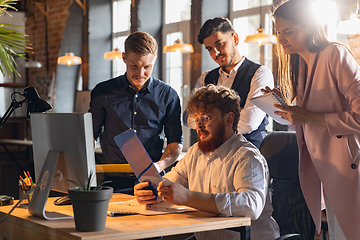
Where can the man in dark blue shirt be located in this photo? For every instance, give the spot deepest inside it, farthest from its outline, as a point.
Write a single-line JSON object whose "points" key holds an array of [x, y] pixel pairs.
{"points": [[137, 100]]}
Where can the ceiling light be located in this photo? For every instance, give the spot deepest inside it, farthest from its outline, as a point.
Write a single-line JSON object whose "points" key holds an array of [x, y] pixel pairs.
{"points": [[113, 55], [351, 26], [261, 38], [69, 59], [179, 47], [33, 64]]}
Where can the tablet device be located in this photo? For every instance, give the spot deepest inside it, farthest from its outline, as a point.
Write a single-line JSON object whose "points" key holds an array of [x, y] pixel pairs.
{"points": [[138, 159]]}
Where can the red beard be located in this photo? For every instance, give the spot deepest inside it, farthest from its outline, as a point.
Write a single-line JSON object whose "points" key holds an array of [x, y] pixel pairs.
{"points": [[216, 139]]}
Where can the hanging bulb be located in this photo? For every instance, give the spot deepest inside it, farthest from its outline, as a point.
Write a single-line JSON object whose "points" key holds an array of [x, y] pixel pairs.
{"points": [[33, 64], [261, 38], [69, 59], [179, 47], [113, 55], [351, 26]]}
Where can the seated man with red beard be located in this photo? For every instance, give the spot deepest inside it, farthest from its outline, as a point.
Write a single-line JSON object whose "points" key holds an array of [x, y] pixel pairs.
{"points": [[223, 173]]}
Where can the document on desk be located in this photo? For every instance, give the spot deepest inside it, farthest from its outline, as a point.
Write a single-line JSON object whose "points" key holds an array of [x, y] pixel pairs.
{"points": [[133, 207], [139, 159]]}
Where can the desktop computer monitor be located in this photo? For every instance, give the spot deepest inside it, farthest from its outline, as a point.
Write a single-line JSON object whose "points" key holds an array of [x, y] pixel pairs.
{"points": [[63, 148]]}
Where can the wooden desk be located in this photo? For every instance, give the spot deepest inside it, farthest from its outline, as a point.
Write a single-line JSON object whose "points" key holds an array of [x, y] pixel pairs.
{"points": [[21, 225]]}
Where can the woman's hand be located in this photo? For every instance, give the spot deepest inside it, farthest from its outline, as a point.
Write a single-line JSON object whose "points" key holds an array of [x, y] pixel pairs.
{"points": [[269, 90], [295, 114], [298, 115]]}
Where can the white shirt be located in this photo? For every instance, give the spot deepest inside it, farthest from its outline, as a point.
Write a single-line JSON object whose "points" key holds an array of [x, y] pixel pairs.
{"points": [[251, 116], [237, 175]]}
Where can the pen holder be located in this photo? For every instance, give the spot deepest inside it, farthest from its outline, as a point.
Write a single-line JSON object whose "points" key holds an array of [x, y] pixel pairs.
{"points": [[23, 190]]}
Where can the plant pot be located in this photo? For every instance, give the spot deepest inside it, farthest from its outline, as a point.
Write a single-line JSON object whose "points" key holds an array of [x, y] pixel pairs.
{"points": [[90, 208]]}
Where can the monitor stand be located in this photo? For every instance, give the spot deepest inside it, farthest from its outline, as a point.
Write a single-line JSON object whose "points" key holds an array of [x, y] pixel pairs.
{"points": [[40, 195]]}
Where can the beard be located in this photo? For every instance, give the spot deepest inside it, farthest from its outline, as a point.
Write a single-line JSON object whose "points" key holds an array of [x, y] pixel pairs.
{"points": [[215, 140], [231, 59]]}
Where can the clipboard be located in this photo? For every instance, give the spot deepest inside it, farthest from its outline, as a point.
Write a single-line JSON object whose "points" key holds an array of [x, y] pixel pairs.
{"points": [[266, 103], [138, 159]]}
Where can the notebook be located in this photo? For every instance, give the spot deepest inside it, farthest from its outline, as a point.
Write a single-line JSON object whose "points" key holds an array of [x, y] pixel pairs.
{"points": [[266, 103], [133, 207], [138, 159]]}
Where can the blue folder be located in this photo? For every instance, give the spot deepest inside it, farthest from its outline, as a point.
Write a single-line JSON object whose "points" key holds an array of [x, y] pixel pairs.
{"points": [[138, 159]]}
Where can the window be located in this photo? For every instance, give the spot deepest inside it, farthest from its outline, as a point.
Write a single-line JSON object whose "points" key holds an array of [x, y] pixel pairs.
{"points": [[246, 4], [120, 30], [328, 15], [247, 17], [176, 66], [177, 11]]}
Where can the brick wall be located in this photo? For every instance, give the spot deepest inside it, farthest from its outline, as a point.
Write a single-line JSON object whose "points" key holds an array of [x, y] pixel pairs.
{"points": [[45, 35]]}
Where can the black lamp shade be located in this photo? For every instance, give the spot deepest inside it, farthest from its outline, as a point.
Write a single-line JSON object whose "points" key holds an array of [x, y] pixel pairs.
{"points": [[34, 102]]}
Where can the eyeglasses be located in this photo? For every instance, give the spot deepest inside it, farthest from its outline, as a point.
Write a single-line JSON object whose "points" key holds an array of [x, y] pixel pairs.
{"points": [[204, 121]]}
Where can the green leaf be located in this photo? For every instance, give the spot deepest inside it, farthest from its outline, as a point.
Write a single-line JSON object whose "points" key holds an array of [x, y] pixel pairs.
{"points": [[80, 183], [87, 185], [10, 40], [99, 186]]}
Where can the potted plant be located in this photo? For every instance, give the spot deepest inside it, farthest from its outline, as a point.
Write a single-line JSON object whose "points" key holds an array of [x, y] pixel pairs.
{"points": [[90, 205], [10, 41]]}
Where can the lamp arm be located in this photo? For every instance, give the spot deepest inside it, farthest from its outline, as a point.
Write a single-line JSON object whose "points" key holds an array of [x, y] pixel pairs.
{"points": [[14, 105]]}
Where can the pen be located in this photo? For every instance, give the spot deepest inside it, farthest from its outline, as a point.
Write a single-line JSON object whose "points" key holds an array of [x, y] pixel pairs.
{"points": [[23, 181], [29, 178]]}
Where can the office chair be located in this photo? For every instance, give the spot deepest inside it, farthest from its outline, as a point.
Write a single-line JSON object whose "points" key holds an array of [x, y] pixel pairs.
{"points": [[290, 210]]}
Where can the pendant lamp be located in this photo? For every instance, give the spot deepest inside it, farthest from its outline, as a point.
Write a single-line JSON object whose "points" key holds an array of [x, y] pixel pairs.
{"points": [[261, 38], [32, 63], [351, 26], [69, 59], [179, 46], [113, 55]]}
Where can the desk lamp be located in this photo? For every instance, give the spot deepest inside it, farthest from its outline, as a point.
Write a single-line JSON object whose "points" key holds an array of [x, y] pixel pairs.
{"points": [[34, 104]]}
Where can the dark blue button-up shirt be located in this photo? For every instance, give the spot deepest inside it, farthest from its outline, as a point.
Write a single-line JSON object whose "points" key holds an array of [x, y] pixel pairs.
{"points": [[116, 106]]}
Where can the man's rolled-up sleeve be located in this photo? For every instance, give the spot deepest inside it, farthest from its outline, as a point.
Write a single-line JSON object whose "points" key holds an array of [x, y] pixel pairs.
{"points": [[251, 184]]}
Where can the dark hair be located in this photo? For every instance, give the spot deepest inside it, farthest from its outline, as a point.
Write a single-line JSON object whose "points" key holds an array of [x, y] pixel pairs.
{"points": [[298, 12], [214, 25], [141, 43], [205, 98]]}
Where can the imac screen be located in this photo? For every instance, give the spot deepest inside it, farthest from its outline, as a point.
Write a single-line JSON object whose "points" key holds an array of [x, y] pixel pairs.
{"points": [[71, 136]]}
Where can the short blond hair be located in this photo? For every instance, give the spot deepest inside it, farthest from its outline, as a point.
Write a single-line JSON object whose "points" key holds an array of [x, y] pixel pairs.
{"points": [[141, 43]]}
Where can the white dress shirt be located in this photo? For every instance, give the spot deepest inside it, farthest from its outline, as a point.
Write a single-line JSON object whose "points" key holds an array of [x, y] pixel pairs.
{"points": [[251, 116], [237, 175]]}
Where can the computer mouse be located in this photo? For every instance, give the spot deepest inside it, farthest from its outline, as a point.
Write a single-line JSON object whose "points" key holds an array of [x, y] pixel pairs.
{"points": [[64, 200], [6, 200]]}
